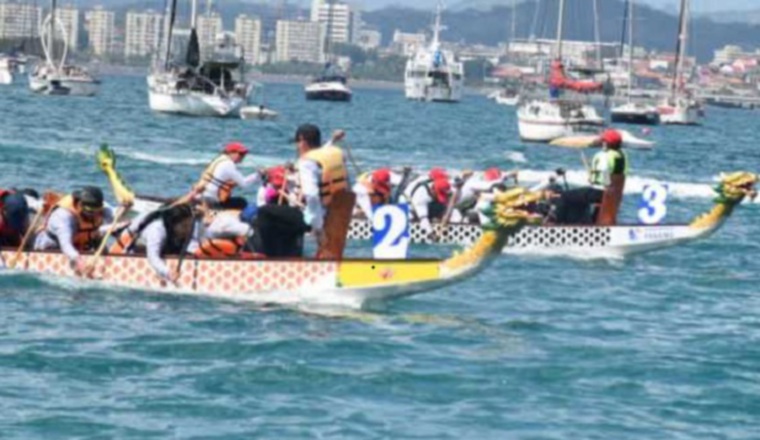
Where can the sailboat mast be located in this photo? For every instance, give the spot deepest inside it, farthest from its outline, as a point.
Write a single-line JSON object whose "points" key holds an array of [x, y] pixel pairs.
{"points": [[560, 24], [51, 34], [680, 48], [171, 15], [630, 48], [597, 38], [194, 14], [514, 22]]}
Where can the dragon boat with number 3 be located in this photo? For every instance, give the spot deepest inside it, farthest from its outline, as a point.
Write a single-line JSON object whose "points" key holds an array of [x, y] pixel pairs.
{"points": [[595, 241], [355, 283]]}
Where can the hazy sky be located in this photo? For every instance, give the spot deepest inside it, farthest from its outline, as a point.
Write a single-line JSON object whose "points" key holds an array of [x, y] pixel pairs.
{"points": [[697, 5]]}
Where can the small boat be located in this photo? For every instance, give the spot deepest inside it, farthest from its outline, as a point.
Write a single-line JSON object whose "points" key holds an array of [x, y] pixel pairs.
{"points": [[594, 241], [545, 121], [329, 87], [258, 112], [55, 77], [6, 70], [509, 98], [355, 283], [679, 108], [635, 113]]}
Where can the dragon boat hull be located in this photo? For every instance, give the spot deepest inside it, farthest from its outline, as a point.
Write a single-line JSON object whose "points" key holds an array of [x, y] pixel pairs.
{"points": [[585, 242]]}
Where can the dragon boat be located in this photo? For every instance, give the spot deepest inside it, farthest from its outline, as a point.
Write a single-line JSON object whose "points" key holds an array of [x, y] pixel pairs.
{"points": [[347, 282], [595, 241]]}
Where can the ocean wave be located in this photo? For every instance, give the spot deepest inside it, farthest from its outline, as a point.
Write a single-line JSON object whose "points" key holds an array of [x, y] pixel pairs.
{"points": [[516, 157]]}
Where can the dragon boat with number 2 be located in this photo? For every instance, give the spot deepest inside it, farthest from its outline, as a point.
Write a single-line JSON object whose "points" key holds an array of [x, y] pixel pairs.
{"points": [[355, 283], [595, 241]]}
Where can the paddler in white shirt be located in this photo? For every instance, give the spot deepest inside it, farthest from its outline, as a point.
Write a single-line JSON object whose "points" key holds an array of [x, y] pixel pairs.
{"points": [[480, 184], [429, 196], [374, 189]]}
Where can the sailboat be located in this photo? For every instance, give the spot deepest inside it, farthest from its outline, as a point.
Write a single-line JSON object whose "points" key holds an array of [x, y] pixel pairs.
{"points": [[509, 96], [6, 70], [679, 108], [433, 73], [634, 112], [546, 120], [332, 83], [55, 77], [194, 88]]}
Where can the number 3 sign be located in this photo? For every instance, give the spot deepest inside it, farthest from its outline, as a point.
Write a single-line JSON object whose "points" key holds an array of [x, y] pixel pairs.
{"points": [[653, 207], [390, 231]]}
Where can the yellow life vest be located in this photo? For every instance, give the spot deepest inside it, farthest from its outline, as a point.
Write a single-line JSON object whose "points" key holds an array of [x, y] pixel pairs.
{"points": [[225, 187], [334, 174], [86, 235]]}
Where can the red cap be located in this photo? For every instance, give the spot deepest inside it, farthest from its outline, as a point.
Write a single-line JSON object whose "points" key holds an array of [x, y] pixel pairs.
{"points": [[381, 179], [492, 174], [235, 147], [612, 138], [276, 176], [438, 173], [442, 189]]}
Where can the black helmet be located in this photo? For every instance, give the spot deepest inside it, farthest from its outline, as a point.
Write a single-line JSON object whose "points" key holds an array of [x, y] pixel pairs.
{"points": [[90, 196]]}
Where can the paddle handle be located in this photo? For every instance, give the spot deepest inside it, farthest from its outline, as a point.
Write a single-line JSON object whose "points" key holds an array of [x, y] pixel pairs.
{"points": [[25, 239], [119, 213]]}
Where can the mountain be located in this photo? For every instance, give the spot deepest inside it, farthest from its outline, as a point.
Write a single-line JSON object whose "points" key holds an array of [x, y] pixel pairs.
{"points": [[656, 28], [749, 17]]}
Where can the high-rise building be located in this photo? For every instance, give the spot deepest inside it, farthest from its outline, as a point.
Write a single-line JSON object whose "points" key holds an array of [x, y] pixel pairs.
{"points": [[208, 27], [19, 20], [300, 41], [142, 35], [248, 36], [100, 26], [316, 5], [340, 18], [67, 17]]}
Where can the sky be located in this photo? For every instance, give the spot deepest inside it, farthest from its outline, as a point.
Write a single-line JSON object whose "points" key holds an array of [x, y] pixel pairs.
{"points": [[698, 6]]}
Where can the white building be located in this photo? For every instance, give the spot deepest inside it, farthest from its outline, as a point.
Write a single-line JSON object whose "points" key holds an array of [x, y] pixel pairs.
{"points": [[68, 17], [142, 34], [100, 26], [248, 36], [299, 41], [19, 20], [341, 20], [406, 43], [208, 27]]}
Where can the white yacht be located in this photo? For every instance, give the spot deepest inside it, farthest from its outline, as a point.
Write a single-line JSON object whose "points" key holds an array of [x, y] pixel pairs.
{"points": [[546, 120], [214, 88], [330, 86], [53, 76], [678, 108], [433, 73]]}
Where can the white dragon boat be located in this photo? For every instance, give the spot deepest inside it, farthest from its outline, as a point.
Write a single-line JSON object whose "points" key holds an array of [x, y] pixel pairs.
{"points": [[593, 241]]}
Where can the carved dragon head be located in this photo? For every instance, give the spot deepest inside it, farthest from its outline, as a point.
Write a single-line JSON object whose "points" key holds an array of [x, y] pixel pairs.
{"points": [[734, 187], [509, 208]]}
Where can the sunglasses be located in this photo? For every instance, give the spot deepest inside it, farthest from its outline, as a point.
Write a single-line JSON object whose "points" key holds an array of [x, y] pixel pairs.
{"points": [[92, 209]]}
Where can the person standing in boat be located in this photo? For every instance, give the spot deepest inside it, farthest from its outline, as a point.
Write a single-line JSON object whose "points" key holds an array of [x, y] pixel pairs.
{"points": [[76, 224], [221, 177], [325, 189], [429, 196], [607, 168], [166, 231]]}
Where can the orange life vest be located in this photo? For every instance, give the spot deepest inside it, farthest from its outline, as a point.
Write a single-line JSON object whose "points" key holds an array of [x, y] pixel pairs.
{"points": [[86, 235], [123, 243], [225, 187], [219, 248], [334, 174]]}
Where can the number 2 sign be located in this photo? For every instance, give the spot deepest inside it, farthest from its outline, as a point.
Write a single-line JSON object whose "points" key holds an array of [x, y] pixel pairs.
{"points": [[390, 231]]}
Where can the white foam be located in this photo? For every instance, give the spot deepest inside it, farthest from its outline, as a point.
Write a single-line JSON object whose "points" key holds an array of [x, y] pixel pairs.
{"points": [[516, 156]]}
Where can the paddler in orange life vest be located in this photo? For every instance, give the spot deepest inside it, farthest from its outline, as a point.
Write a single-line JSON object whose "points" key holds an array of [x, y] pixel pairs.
{"points": [[15, 209], [373, 189], [221, 176], [322, 172], [76, 224]]}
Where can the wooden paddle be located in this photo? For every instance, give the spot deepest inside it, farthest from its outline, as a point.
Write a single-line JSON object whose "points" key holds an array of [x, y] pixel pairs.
{"points": [[29, 232]]}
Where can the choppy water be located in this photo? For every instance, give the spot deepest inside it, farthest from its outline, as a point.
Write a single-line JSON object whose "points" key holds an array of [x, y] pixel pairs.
{"points": [[661, 346]]}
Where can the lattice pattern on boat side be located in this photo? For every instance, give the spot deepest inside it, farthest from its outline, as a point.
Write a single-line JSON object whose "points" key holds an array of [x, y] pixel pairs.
{"points": [[529, 237]]}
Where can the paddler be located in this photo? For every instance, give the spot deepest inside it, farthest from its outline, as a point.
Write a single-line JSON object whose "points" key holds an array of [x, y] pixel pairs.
{"points": [[167, 231], [477, 184], [15, 209], [429, 196], [574, 206], [220, 177], [374, 189], [76, 224], [322, 175]]}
